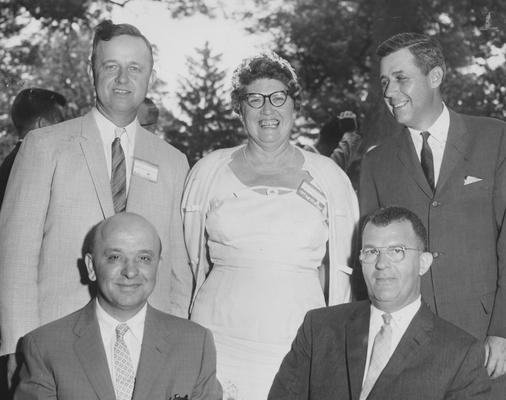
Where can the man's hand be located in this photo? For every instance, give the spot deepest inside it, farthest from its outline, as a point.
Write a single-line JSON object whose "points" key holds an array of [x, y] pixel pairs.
{"points": [[495, 356]]}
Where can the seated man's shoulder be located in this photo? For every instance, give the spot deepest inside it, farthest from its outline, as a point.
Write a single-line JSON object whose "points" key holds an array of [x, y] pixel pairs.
{"points": [[55, 333], [187, 327], [340, 312], [452, 335]]}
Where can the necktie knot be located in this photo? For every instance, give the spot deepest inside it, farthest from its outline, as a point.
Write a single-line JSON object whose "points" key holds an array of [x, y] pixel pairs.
{"points": [[118, 132], [121, 329], [387, 318], [425, 135]]}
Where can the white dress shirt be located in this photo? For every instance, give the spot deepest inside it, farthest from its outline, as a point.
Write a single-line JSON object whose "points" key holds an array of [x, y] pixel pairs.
{"points": [[437, 139], [133, 337], [400, 321], [106, 129]]}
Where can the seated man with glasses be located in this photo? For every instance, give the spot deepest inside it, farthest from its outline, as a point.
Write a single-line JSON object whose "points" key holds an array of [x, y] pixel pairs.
{"points": [[392, 346]]}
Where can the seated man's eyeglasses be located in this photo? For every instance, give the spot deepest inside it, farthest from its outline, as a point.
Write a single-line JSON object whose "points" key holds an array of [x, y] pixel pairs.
{"points": [[257, 100], [394, 253]]}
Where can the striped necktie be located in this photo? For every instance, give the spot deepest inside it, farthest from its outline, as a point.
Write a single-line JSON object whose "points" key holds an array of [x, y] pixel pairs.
{"points": [[379, 356], [118, 172]]}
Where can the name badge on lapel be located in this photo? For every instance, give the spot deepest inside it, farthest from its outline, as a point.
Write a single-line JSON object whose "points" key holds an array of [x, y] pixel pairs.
{"points": [[146, 170], [312, 194]]}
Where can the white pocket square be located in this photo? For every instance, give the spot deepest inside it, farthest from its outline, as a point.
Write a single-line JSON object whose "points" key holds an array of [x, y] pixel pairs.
{"points": [[471, 179]]}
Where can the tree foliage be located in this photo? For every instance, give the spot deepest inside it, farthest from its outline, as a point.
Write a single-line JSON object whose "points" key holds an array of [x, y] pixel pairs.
{"points": [[207, 121]]}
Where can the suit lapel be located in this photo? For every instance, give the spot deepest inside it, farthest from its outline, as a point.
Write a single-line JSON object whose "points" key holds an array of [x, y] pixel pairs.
{"points": [[90, 352], [156, 346], [408, 157], [455, 148], [412, 342], [145, 149], [93, 151], [357, 331]]}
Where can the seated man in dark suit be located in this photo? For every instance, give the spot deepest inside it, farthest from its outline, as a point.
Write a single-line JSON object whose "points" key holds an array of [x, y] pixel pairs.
{"points": [[118, 346], [391, 347], [31, 109]]}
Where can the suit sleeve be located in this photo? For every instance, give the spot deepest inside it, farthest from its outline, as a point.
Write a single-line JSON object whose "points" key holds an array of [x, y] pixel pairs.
{"points": [[22, 220], [207, 386], [367, 195], [292, 380], [497, 325], [182, 277], [36, 380], [471, 381]]}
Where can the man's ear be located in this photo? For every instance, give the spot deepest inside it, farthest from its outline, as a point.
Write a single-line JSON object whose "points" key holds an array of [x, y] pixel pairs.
{"points": [[88, 260], [152, 79], [426, 259], [89, 69], [436, 76]]}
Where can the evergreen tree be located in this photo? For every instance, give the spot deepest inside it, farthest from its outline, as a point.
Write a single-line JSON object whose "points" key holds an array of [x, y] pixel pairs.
{"points": [[208, 122]]}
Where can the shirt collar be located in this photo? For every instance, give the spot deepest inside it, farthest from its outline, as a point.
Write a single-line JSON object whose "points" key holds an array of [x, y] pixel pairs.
{"points": [[135, 324], [439, 129], [401, 317], [106, 127]]}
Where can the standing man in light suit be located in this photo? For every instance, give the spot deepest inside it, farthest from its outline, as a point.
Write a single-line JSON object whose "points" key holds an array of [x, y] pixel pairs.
{"points": [[118, 347], [70, 176], [390, 346], [450, 169]]}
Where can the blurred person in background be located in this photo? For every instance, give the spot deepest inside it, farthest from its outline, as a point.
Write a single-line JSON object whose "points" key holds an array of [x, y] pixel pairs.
{"points": [[31, 109], [257, 220]]}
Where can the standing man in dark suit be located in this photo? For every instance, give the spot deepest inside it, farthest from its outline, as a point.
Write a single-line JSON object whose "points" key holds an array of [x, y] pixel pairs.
{"points": [[391, 347], [70, 176], [450, 169], [118, 347], [31, 109]]}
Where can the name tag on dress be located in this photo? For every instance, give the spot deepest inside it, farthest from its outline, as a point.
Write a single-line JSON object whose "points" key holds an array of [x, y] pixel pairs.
{"points": [[145, 169], [312, 195]]}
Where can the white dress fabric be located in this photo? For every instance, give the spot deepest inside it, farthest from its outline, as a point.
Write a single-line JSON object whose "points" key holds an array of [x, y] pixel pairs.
{"points": [[266, 245]]}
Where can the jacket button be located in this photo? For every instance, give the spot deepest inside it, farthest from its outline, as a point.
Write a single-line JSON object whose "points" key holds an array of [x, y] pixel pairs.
{"points": [[435, 204]]}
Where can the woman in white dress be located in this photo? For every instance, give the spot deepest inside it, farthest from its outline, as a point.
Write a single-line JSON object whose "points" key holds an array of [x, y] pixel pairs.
{"points": [[257, 221]]}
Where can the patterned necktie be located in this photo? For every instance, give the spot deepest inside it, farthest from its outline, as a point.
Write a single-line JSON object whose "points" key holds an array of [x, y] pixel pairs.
{"points": [[123, 367], [427, 160], [118, 172], [379, 356]]}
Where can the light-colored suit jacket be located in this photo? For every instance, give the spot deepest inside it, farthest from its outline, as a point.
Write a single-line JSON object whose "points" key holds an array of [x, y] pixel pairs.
{"points": [[58, 189], [434, 360], [465, 217], [65, 360]]}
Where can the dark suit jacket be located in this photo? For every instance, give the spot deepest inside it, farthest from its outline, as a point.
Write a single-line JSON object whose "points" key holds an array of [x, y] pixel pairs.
{"points": [[65, 360], [466, 283], [5, 170], [434, 360]]}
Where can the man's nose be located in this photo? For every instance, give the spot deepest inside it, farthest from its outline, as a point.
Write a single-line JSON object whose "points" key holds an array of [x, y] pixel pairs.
{"points": [[389, 88], [383, 261], [130, 269], [122, 75]]}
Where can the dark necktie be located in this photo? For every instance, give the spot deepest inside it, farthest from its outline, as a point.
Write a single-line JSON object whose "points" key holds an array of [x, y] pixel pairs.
{"points": [[427, 159], [118, 172], [379, 355]]}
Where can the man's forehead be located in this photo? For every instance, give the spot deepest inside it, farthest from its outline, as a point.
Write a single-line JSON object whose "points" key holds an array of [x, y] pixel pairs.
{"points": [[394, 231]]}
